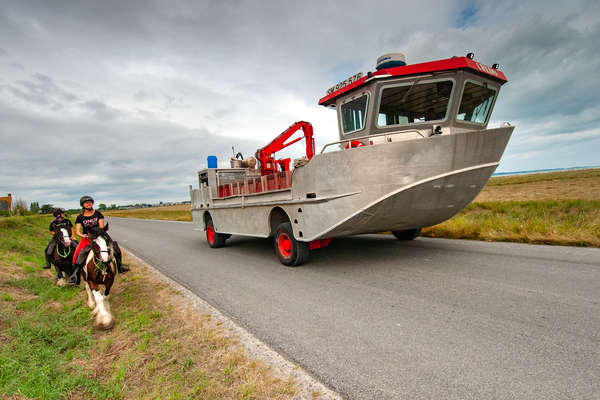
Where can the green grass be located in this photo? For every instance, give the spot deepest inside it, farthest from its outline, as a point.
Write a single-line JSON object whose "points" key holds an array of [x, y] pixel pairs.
{"points": [[565, 222], [42, 343], [49, 349], [46, 328]]}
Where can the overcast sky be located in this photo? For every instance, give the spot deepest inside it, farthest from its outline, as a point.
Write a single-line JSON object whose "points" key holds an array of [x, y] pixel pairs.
{"points": [[123, 100]]}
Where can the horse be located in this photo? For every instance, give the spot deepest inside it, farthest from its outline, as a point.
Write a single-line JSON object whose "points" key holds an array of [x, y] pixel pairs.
{"points": [[99, 269], [61, 256]]}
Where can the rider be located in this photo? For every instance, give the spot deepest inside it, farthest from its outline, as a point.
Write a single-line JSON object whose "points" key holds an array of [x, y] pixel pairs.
{"points": [[88, 219], [59, 222]]}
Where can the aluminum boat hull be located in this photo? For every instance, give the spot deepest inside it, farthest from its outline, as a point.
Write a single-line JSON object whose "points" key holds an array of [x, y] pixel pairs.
{"points": [[402, 184]]}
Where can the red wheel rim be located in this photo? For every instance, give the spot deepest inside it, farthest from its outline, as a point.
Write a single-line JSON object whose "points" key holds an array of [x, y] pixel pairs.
{"points": [[210, 234], [285, 245]]}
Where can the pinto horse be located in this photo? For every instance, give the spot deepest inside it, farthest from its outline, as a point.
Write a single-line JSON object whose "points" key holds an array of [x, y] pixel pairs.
{"points": [[100, 269], [61, 256]]}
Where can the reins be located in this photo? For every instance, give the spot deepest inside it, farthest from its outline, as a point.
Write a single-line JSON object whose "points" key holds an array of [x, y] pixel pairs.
{"points": [[99, 264], [60, 241], [65, 255]]}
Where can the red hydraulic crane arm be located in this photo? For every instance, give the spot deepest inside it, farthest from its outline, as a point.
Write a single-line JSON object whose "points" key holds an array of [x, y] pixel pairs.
{"points": [[268, 164]]}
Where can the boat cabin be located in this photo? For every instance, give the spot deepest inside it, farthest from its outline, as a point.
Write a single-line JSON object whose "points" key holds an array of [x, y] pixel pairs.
{"points": [[419, 100]]}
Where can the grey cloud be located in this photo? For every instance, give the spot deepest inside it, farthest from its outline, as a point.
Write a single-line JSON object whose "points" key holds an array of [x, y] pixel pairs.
{"points": [[100, 110], [123, 159], [41, 90], [141, 95]]}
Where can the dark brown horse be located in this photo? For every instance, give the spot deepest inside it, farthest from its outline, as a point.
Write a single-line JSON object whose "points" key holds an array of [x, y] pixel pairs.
{"points": [[99, 270], [62, 255]]}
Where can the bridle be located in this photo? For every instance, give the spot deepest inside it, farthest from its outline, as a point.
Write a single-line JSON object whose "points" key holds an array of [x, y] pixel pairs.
{"points": [[61, 241], [100, 265]]}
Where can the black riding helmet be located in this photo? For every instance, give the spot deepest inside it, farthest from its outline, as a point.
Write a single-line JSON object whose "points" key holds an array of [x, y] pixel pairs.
{"points": [[58, 211], [84, 199]]}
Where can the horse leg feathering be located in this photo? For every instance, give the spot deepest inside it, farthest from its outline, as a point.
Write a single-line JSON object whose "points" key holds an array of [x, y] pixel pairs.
{"points": [[104, 319], [91, 302]]}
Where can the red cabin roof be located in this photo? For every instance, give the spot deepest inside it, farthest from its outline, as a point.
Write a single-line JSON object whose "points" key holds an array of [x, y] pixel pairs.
{"points": [[454, 63]]}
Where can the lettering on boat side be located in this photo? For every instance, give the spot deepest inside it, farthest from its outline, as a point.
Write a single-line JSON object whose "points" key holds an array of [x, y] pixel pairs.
{"points": [[486, 69], [345, 82]]}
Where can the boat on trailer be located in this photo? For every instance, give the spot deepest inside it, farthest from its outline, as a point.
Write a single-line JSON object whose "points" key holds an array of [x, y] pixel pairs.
{"points": [[414, 149]]}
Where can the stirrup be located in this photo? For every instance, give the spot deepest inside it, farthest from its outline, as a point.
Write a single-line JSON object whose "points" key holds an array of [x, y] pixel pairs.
{"points": [[75, 277]]}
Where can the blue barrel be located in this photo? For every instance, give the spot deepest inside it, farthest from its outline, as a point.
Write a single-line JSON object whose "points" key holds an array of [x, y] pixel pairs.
{"points": [[212, 161]]}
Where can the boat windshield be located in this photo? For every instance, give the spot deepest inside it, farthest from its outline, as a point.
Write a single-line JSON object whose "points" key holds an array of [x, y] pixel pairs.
{"points": [[476, 103], [414, 102]]}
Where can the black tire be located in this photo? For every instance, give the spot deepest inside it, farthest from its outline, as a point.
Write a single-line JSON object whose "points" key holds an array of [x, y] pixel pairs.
{"points": [[289, 251], [214, 239], [408, 234]]}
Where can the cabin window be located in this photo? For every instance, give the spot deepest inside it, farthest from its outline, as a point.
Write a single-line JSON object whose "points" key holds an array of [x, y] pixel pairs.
{"points": [[476, 103], [354, 113], [414, 102]]}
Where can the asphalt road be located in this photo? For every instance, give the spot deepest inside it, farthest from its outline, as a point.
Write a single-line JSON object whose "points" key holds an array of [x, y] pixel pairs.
{"points": [[375, 318]]}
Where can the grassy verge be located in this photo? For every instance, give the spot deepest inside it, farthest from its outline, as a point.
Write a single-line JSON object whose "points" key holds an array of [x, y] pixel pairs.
{"points": [[565, 222], [158, 348]]}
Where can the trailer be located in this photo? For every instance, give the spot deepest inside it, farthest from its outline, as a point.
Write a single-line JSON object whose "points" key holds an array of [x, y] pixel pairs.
{"points": [[414, 149]]}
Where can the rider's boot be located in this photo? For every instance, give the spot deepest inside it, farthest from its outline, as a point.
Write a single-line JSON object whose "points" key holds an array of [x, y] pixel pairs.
{"points": [[76, 277], [119, 258], [48, 261], [48, 253]]}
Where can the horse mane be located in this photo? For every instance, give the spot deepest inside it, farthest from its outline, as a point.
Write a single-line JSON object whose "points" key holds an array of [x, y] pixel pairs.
{"points": [[58, 231], [96, 231]]}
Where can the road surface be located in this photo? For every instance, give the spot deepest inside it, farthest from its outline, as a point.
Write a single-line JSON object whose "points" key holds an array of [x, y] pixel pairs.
{"points": [[375, 318]]}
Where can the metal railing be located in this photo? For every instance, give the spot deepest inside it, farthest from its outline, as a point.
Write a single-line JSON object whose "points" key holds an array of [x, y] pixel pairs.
{"points": [[385, 135]]}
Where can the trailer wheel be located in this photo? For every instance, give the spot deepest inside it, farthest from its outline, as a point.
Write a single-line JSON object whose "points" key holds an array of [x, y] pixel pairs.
{"points": [[290, 251], [408, 234], [213, 238]]}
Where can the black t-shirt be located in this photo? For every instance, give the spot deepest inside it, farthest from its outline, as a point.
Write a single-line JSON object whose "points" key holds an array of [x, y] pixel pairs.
{"points": [[89, 222], [65, 223]]}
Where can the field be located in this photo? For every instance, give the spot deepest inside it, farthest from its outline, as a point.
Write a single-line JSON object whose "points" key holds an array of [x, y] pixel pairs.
{"points": [[566, 185], [159, 348], [180, 212], [561, 208]]}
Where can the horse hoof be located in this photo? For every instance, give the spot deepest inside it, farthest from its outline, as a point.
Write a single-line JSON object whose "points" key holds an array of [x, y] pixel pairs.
{"points": [[60, 282], [104, 323]]}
